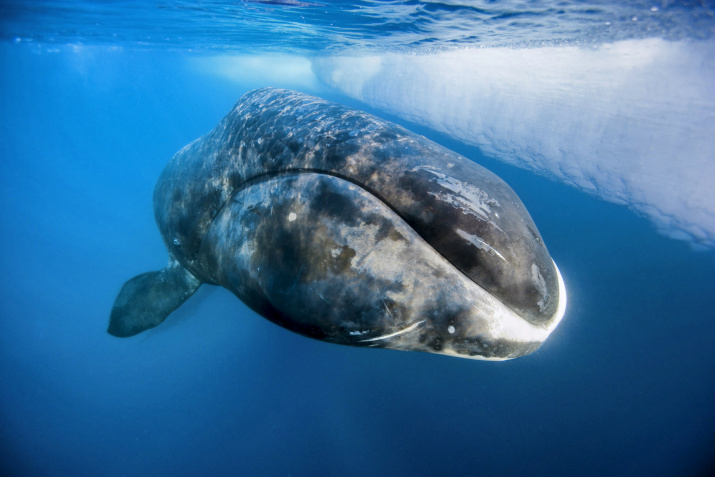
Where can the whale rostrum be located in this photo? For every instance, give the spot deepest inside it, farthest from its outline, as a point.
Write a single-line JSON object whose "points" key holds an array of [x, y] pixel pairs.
{"points": [[349, 229]]}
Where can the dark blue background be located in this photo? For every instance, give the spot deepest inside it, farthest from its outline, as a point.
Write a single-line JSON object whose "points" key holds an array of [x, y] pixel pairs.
{"points": [[625, 385]]}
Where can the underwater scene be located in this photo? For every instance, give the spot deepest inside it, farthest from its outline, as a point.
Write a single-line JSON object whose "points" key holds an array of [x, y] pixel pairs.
{"points": [[211, 211]]}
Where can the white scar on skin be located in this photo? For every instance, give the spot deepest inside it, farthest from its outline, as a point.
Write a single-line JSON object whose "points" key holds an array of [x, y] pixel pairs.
{"points": [[412, 327], [468, 198], [479, 243]]}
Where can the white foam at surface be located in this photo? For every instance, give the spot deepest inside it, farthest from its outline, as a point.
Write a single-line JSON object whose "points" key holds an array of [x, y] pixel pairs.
{"points": [[633, 121]]}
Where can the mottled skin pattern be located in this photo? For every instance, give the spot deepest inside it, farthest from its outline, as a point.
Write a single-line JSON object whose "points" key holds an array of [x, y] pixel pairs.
{"points": [[350, 229]]}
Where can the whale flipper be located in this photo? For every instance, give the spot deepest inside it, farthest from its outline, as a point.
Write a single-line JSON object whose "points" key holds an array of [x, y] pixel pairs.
{"points": [[147, 299]]}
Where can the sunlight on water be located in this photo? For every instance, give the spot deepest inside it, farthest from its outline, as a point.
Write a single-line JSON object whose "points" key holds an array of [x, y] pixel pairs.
{"points": [[336, 26]]}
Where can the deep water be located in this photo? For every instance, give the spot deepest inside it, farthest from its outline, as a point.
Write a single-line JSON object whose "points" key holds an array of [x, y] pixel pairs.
{"points": [[624, 386]]}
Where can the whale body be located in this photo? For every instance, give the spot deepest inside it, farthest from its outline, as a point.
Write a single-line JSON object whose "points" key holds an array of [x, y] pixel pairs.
{"points": [[346, 228]]}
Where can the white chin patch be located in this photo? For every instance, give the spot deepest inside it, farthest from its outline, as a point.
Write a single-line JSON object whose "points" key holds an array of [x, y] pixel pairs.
{"points": [[508, 325], [562, 302]]}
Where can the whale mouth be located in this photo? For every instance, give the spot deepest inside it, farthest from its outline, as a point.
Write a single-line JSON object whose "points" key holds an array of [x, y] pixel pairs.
{"points": [[307, 240]]}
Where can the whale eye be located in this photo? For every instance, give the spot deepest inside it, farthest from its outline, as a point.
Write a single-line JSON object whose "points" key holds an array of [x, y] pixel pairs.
{"points": [[177, 242]]}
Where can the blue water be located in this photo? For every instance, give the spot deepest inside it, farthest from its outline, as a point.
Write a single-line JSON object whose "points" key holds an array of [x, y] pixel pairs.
{"points": [[95, 98]]}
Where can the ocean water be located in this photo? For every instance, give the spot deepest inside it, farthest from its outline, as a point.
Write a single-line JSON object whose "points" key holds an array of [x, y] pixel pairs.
{"points": [[598, 114]]}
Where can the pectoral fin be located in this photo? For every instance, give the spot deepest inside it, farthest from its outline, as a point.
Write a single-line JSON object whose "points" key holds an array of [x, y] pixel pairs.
{"points": [[147, 299]]}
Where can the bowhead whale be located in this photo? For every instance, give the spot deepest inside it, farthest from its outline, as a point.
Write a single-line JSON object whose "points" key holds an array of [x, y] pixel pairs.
{"points": [[349, 229]]}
